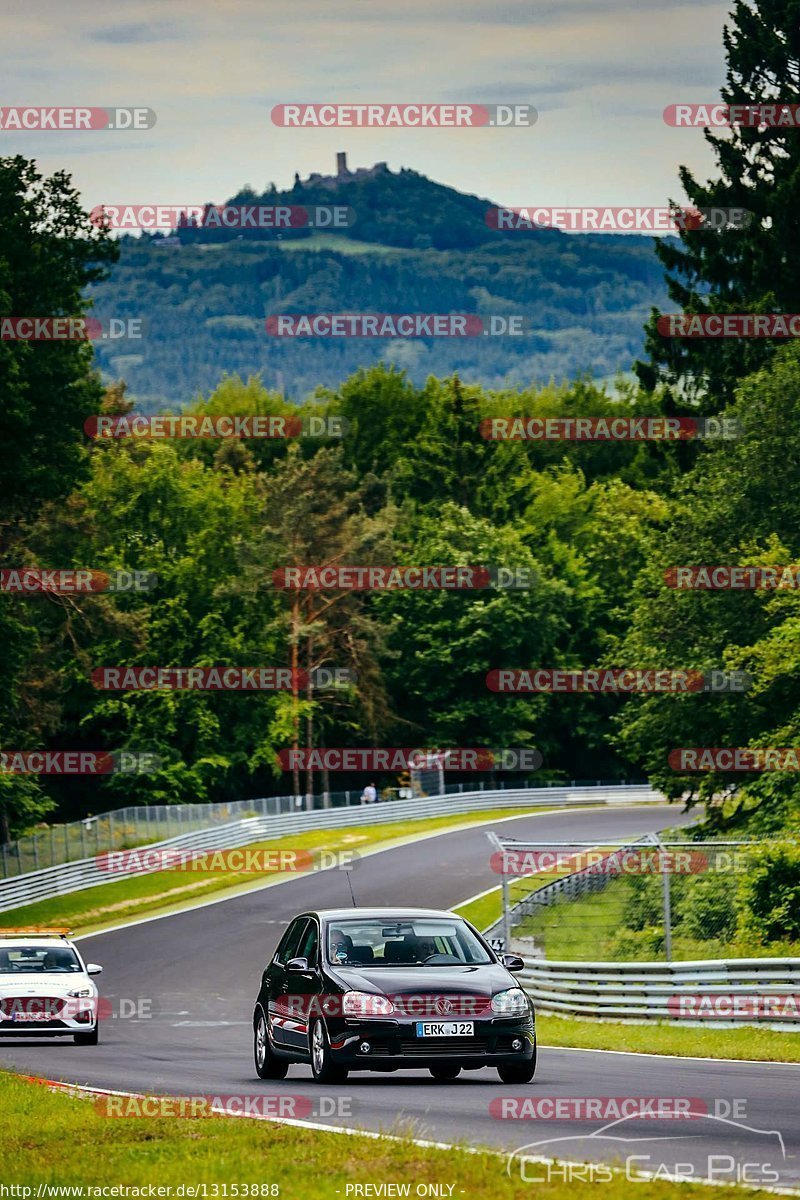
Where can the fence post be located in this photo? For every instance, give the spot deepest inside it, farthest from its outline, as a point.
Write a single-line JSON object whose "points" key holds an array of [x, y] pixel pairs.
{"points": [[506, 915], [667, 898]]}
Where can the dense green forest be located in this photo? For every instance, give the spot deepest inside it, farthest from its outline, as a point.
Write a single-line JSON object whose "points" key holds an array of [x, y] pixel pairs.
{"points": [[204, 296], [598, 526]]}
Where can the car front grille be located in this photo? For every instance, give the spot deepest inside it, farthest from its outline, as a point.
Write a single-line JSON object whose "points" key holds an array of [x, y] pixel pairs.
{"points": [[20, 1004], [447, 1046]]}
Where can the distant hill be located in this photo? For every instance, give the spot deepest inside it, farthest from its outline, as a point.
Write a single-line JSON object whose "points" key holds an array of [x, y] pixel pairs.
{"points": [[415, 246]]}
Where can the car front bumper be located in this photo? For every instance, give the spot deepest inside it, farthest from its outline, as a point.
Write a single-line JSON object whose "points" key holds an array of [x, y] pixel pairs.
{"points": [[385, 1044]]}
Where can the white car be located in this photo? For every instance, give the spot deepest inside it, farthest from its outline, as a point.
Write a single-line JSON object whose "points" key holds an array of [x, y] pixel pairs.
{"points": [[45, 989]]}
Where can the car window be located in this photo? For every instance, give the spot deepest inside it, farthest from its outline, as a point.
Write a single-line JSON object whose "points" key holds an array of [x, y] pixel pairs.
{"points": [[39, 960], [383, 942], [291, 939], [308, 944]]}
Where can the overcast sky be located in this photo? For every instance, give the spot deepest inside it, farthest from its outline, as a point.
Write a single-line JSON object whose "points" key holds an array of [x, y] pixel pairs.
{"points": [[600, 73]]}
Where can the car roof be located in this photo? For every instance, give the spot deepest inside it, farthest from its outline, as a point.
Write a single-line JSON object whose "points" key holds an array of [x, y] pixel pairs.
{"points": [[31, 939], [386, 914]]}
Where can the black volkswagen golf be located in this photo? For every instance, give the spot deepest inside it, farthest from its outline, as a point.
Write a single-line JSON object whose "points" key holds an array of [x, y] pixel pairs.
{"points": [[378, 989]]}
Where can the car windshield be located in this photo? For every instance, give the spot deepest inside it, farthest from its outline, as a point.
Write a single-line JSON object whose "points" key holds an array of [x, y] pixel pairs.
{"points": [[38, 960], [430, 941]]}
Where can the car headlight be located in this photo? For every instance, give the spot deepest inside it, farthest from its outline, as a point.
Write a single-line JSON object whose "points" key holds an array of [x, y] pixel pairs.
{"points": [[366, 1004], [511, 1003], [80, 992]]}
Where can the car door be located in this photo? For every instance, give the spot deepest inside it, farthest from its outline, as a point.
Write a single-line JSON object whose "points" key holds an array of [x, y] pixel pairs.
{"points": [[276, 982], [304, 986]]}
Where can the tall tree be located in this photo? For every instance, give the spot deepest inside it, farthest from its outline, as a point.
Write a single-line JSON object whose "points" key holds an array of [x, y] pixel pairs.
{"points": [[752, 270], [49, 253]]}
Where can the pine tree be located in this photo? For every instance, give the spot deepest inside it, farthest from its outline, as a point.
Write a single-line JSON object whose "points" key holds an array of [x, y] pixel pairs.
{"points": [[751, 270]]}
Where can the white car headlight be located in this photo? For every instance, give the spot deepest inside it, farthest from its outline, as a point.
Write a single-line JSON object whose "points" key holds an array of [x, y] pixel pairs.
{"points": [[511, 1003], [81, 992], [366, 1004]]}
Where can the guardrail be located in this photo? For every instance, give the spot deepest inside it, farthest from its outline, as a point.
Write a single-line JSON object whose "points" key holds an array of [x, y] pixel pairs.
{"points": [[85, 873], [142, 824], [739, 991]]}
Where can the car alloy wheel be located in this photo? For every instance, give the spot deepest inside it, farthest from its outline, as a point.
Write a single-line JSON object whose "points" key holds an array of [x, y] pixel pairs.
{"points": [[323, 1068], [267, 1065]]}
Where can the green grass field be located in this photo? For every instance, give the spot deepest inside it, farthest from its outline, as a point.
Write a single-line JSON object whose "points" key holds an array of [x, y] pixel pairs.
{"points": [[56, 1139], [763, 1045], [340, 245]]}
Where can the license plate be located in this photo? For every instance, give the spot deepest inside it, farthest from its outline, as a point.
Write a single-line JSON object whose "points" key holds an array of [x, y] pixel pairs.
{"points": [[32, 1016], [445, 1028]]}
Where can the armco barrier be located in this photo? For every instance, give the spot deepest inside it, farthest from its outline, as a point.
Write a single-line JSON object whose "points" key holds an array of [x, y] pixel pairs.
{"points": [[85, 873], [712, 992]]}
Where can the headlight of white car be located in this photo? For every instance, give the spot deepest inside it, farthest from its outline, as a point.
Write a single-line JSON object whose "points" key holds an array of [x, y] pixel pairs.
{"points": [[511, 1003], [366, 1004], [81, 992]]}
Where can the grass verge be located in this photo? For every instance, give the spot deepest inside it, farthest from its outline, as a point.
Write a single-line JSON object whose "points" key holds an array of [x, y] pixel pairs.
{"points": [[162, 891], [55, 1139], [763, 1045]]}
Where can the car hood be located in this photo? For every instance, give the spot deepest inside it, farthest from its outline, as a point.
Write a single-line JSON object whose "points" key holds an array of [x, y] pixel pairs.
{"points": [[42, 985], [482, 980]]}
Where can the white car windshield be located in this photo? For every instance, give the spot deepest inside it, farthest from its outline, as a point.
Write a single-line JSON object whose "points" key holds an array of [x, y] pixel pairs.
{"points": [[436, 942], [38, 960]]}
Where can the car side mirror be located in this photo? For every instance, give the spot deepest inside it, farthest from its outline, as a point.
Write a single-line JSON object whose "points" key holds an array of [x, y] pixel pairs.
{"points": [[93, 969], [512, 962], [297, 964]]}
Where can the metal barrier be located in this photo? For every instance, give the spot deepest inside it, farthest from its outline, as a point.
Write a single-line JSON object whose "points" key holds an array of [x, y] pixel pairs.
{"points": [[85, 873], [739, 991], [143, 824]]}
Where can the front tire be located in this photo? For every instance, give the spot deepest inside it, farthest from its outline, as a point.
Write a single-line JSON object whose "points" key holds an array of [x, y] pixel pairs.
{"points": [[268, 1066], [518, 1072], [323, 1068], [87, 1039], [445, 1074]]}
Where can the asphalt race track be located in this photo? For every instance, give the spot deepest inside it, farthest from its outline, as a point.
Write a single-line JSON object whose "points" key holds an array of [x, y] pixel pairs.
{"points": [[199, 973]]}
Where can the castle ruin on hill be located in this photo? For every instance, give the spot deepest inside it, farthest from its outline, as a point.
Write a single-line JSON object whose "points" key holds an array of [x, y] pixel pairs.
{"points": [[343, 173]]}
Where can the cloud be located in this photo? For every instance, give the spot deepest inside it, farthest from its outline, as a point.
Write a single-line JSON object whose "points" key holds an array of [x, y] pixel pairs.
{"points": [[135, 33]]}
